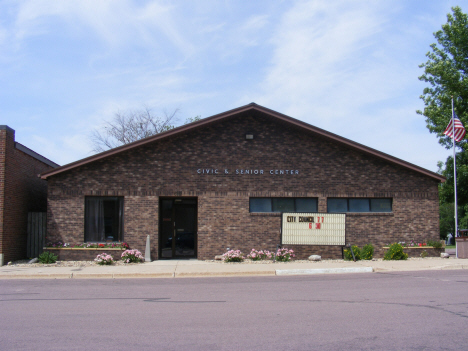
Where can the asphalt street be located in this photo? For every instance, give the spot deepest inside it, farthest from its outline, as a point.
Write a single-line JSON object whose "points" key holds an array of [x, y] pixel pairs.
{"points": [[393, 311]]}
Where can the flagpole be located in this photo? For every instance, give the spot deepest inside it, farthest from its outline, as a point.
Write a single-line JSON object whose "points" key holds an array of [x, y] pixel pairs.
{"points": [[455, 179]]}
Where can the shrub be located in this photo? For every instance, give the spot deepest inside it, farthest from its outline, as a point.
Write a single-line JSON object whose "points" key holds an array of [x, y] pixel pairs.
{"points": [[367, 252], [348, 256], [435, 244], [132, 256], [47, 257], [233, 256], [255, 255], [284, 255], [423, 254], [395, 252], [104, 259]]}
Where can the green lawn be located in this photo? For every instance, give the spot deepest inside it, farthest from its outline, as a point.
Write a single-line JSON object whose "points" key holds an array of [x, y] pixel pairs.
{"points": [[450, 246]]}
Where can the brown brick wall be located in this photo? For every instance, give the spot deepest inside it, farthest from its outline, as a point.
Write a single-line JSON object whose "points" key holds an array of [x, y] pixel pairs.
{"points": [[169, 168], [140, 220], [3, 144], [21, 191]]}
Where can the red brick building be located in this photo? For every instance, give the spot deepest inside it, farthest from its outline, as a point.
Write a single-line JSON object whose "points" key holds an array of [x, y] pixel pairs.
{"points": [[21, 191], [222, 182]]}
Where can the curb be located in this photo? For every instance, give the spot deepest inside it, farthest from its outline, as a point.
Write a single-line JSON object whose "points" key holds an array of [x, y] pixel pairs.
{"points": [[324, 271], [207, 274], [223, 274], [37, 276]]}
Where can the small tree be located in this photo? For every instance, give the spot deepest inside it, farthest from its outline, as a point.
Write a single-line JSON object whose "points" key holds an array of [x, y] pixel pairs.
{"points": [[127, 127]]}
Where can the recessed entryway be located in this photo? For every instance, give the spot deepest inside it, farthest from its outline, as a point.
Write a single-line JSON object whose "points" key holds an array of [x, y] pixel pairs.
{"points": [[178, 227]]}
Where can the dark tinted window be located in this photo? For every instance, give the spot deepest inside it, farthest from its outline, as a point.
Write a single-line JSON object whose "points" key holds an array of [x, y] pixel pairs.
{"points": [[359, 205], [260, 204], [103, 218], [283, 204], [337, 205], [306, 205], [341, 205], [381, 205]]}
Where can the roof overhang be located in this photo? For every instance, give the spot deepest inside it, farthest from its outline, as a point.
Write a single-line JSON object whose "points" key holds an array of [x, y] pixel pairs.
{"points": [[230, 113]]}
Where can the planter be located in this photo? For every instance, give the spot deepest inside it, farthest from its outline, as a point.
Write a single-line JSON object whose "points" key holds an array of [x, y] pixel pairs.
{"points": [[415, 251], [462, 246], [83, 254]]}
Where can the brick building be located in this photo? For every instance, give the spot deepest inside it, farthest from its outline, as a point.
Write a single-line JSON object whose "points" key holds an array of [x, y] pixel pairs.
{"points": [[21, 191], [222, 182]]}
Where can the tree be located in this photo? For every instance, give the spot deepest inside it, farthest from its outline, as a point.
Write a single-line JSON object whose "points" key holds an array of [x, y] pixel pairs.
{"points": [[127, 127], [446, 215], [446, 71]]}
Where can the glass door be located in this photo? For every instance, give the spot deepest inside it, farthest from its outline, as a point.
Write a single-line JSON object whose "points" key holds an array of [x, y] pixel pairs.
{"points": [[185, 230], [178, 227]]}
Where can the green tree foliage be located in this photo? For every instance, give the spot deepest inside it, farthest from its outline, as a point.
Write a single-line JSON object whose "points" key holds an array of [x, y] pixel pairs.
{"points": [[446, 222], [446, 72]]}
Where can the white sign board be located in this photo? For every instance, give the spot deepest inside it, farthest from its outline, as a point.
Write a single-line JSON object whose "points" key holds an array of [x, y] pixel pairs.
{"points": [[313, 229]]}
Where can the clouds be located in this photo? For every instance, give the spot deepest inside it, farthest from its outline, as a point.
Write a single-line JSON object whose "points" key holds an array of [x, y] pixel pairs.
{"points": [[323, 53], [117, 23], [67, 65], [347, 67]]}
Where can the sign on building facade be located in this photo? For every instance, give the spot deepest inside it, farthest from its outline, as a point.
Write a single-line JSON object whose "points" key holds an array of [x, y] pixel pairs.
{"points": [[313, 229]]}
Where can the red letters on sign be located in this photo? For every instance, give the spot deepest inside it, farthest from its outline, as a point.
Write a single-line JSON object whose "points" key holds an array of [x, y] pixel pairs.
{"points": [[318, 225]]}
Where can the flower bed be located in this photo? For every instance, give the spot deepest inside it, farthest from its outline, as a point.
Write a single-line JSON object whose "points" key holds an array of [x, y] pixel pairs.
{"points": [[111, 245], [85, 251], [82, 254]]}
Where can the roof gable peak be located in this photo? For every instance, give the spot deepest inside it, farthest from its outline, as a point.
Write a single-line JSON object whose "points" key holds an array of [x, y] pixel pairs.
{"points": [[231, 113]]}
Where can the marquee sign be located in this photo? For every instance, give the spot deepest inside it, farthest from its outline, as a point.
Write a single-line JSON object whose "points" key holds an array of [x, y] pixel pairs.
{"points": [[313, 229]]}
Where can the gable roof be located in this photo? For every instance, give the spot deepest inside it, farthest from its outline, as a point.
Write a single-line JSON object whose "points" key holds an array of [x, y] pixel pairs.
{"points": [[254, 107], [34, 154]]}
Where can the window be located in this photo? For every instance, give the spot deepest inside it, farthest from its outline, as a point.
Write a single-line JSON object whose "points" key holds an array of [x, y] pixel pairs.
{"points": [[381, 205], [103, 218], [283, 204], [340, 205]]}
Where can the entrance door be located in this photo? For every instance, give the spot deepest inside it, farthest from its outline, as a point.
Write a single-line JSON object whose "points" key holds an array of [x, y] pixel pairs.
{"points": [[178, 227]]}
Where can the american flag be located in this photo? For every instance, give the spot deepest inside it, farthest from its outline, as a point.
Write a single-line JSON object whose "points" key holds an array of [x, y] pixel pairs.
{"points": [[459, 129]]}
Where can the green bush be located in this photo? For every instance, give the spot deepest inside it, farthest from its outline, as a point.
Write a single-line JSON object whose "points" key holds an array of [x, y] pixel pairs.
{"points": [[47, 257], [348, 256], [367, 252], [436, 244], [424, 254], [395, 252]]}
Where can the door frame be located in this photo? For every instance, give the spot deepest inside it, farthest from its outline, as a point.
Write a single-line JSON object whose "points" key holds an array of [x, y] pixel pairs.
{"points": [[173, 219]]}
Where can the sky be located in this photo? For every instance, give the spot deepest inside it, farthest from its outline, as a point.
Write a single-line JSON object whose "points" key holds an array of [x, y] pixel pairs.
{"points": [[350, 67]]}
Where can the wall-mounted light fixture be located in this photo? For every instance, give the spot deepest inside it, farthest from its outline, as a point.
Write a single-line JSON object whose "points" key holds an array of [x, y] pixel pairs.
{"points": [[249, 136]]}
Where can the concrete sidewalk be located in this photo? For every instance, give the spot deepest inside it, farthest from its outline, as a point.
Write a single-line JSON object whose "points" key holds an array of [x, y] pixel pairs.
{"points": [[195, 268]]}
